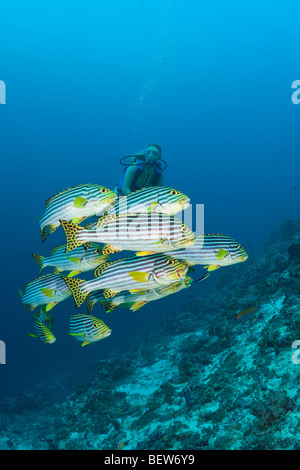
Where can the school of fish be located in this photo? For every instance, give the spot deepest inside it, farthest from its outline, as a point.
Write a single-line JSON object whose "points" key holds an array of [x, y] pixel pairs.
{"points": [[164, 251]]}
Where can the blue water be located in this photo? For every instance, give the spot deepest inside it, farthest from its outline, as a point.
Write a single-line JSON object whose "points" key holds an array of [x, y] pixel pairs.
{"points": [[87, 84]]}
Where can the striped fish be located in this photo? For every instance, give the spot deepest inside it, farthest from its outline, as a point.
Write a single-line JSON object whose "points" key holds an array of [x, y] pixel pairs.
{"points": [[87, 328], [151, 233], [49, 289], [212, 250], [134, 273], [154, 199], [76, 204], [45, 317], [80, 260], [43, 332], [137, 300]]}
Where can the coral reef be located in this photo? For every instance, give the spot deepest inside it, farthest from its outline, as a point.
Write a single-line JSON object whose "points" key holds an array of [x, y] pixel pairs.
{"points": [[204, 380]]}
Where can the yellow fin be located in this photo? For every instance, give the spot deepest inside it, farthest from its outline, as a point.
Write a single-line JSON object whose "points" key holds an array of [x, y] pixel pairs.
{"points": [[109, 249], [49, 200], [88, 226], [109, 293], [79, 202], [73, 273], [57, 270], [44, 234], [74, 285], [143, 253], [221, 254], [85, 343], [212, 267], [161, 241], [56, 248], [74, 260], [38, 259], [50, 306], [52, 228], [77, 220], [48, 292], [71, 231], [100, 269], [109, 306], [138, 305], [139, 276], [90, 303], [152, 206]]}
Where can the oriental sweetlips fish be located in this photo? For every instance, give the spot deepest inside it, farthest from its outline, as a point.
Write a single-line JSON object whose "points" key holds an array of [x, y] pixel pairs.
{"points": [[153, 199], [43, 331], [87, 328], [136, 300], [134, 273], [150, 233], [76, 204], [80, 260], [49, 289], [213, 251]]}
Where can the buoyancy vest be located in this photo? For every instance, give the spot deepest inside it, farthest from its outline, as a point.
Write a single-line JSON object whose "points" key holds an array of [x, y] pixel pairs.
{"points": [[140, 166]]}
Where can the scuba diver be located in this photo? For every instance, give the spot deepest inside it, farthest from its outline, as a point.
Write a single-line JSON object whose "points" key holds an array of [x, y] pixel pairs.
{"points": [[142, 170]]}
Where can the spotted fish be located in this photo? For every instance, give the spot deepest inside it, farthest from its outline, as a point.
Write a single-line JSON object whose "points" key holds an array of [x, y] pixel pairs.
{"points": [[151, 233], [134, 273], [80, 260], [154, 199], [76, 204], [212, 251], [87, 328]]}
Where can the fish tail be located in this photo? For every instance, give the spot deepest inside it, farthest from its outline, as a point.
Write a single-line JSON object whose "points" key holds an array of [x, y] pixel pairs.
{"points": [[75, 285], [71, 230], [38, 259], [90, 304], [43, 234], [109, 306], [22, 295], [43, 231]]}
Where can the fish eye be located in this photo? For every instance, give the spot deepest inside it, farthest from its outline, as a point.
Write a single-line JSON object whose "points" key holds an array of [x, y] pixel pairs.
{"points": [[103, 190], [170, 261], [184, 229], [173, 192]]}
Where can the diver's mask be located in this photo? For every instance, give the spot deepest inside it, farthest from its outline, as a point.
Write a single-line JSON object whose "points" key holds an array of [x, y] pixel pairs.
{"points": [[151, 156]]}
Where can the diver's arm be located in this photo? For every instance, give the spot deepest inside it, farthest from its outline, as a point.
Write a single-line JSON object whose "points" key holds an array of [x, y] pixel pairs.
{"points": [[129, 175], [160, 181]]}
